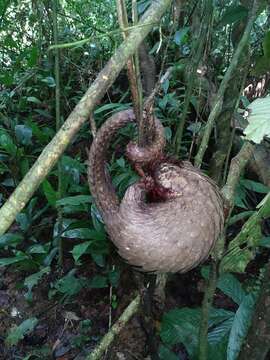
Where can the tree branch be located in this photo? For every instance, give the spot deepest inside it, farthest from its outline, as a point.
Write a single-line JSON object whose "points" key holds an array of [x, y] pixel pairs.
{"points": [[79, 115], [115, 329]]}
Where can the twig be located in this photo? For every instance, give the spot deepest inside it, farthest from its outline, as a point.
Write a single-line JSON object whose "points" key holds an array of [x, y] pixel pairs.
{"points": [[132, 71], [115, 329], [93, 126]]}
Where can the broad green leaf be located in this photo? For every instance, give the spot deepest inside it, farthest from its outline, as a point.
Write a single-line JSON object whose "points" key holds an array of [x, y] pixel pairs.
{"points": [[23, 134], [37, 249], [168, 133], [217, 316], [99, 259], [7, 143], [49, 192], [165, 85], [254, 185], [220, 331], [110, 106], [230, 286], [236, 260], [75, 200], [240, 216], [49, 81], [20, 256], [218, 350], [34, 100], [79, 250], [98, 282], [17, 333], [69, 285], [179, 36], [181, 326], [84, 233], [258, 119], [10, 239], [265, 242], [234, 13], [34, 279], [23, 221], [240, 326]]}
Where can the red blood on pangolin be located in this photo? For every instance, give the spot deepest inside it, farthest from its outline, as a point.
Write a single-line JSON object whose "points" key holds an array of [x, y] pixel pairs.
{"points": [[167, 224]]}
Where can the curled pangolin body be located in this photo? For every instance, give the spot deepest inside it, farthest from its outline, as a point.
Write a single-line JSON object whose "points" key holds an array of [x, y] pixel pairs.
{"points": [[170, 235]]}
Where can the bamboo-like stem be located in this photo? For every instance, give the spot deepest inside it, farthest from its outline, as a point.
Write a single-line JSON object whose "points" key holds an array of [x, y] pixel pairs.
{"points": [[217, 106], [115, 329], [58, 125], [132, 70], [78, 116], [206, 306], [196, 57], [238, 164]]}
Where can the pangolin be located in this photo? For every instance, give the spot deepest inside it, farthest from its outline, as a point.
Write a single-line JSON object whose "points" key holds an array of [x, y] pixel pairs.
{"points": [[172, 233]]}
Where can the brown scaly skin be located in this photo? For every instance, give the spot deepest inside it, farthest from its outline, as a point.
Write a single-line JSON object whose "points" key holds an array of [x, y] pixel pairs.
{"points": [[167, 222]]}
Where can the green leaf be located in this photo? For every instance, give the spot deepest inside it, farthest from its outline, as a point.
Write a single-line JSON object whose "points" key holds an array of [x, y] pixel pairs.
{"points": [[79, 250], [165, 85], [230, 286], [23, 134], [220, 331], [218, 316], [266, 45], [121, 162], [265, 241], [69, 285], [98, 282], [10, 239], [110, 106], [20, 256], [37, 249], [218, 350], [240, 216], [23, 221], [233, 14], [255, 186], [17, 333], [168, 133], [84, 233], [99, 259], [262, 65], [240, 326], [114, 277], [258, 119], [166, 354], [34, 100], [181, 326], [49, 192], [7, 143], [75, 200], [49, 81], [179, 36], [34, 279]]}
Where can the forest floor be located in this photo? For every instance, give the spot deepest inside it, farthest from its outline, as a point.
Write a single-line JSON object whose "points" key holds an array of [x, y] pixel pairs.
{"points": [[71, 329]]}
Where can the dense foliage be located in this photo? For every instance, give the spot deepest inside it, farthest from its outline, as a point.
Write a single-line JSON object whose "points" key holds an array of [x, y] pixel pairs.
{"points": [[57, 250]]}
